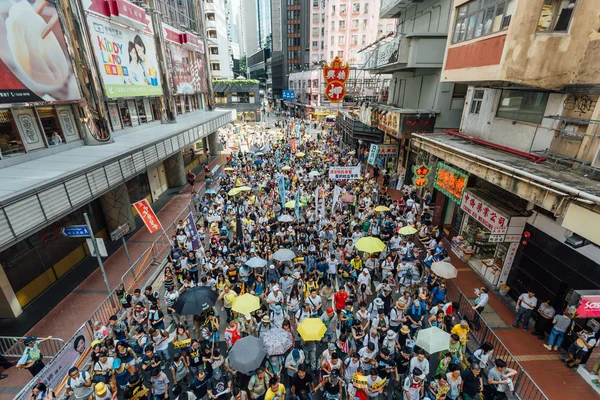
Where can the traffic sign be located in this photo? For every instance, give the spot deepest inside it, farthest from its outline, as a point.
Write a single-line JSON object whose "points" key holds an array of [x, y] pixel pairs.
{"points": [[75, 231]]}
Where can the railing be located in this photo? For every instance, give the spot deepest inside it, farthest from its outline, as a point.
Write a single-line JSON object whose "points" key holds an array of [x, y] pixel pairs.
{"points": [[15, 347], [525, 387]]}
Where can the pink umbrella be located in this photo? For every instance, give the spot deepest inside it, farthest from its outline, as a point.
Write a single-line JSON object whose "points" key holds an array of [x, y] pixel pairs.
{"points": [[347, 198]]}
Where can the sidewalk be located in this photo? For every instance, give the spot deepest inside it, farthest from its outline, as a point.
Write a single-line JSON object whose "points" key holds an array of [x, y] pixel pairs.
{"points": [[68, 316], [545, 368]]}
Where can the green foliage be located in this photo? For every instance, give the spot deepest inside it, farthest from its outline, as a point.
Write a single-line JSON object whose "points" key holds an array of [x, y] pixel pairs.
{"points": [[234, 82]]}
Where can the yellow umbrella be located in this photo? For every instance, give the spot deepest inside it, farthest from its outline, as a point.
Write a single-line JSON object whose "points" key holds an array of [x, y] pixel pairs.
{"points": [[317, 151], [234, 192], [382, 208], [312, 329], [370, 244], [407, 230], [286, 168], [292, 204], [300, 154], [245, 304], [244, 188], [352, 152], [228, 169]]}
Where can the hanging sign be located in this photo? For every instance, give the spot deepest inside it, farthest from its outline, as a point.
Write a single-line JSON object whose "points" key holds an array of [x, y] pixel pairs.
{"points": [[421, 173], [373, 152], [148, 216], [388, 150], [336, 76], [450, 181], [344, 173], [335, 92], [492, 219]]}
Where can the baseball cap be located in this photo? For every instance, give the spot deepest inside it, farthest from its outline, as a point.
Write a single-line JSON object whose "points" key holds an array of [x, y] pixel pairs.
{"points": [[217, 373]]}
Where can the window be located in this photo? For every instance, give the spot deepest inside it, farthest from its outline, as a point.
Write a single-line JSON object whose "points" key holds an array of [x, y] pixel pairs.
{"points": [[315, 3], [322, 44], [389, 27], [315, 31], [556, 15], [315, 43], [315, 58], [331, 54], [315, 83], [212, 34], [342, 24], [365, 23], [214, 50], [482, 17], [355, 7], [379, 28], [354, 24], [315, 19], [363, 39], [476, 101], [243, 97], [342, 40], [354, 39], [522, 106], [51, 125], [340, 54], [333, 25], [333, 40], [343, 9], [10, 140], [366, 8], [332, 9], [210, 16], [215, 66]]}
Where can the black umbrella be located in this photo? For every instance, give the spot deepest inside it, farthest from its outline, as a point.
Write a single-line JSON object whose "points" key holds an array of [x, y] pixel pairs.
{"points": [[247, 354], [195, 301]]}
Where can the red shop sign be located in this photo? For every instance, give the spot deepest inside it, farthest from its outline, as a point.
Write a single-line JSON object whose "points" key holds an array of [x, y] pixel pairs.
{"points": [[589, 307]]}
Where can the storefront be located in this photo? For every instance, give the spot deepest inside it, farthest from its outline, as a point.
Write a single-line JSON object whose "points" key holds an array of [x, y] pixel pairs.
{"points": [[489, 235]]}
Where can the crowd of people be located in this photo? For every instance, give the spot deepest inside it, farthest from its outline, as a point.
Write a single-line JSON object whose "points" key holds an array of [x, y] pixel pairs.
{"points": [[373, 305]]}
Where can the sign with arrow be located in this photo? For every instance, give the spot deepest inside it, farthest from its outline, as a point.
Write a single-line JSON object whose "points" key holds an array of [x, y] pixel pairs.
{"points": [[75, 231]]}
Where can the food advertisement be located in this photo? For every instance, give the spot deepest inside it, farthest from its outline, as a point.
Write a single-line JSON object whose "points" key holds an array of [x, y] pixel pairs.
{"points": [[34, 62], [126, 60], [186, 70]]}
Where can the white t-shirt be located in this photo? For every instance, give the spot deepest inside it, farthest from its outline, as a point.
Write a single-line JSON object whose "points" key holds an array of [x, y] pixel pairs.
{"points": [[531, 300], [362, 278], [315, 302]]}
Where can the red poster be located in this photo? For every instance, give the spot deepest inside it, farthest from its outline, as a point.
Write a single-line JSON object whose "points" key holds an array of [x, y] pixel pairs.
{"points": [[147, 214], [293, 143], [589, 307]]}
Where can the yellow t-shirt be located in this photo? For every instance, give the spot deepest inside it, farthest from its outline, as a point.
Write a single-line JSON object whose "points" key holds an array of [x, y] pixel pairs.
{"points": [[461, 332], [279, 395]]}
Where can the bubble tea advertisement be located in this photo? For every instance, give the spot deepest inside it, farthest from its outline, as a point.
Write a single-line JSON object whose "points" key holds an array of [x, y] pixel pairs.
{"points": [[34, 62], [126, 59]]}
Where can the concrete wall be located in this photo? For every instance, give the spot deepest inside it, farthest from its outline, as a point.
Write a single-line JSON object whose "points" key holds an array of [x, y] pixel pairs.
{"points": [[431, 16], [221, 24]]}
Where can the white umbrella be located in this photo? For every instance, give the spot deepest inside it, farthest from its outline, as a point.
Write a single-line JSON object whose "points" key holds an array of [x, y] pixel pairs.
{"points": [[284, 255], [256, 262], [433, 340], [444, 269], [314, 173], [285, 218]]}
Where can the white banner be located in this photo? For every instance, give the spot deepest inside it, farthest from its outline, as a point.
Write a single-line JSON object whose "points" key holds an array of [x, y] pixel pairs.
{"points": [[317, 199], [388, 150], [373, 152], [336, 196], [344, 173]]}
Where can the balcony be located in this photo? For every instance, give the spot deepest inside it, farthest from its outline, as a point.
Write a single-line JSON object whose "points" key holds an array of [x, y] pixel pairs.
{"points": [[391, 8], [407, 51]]}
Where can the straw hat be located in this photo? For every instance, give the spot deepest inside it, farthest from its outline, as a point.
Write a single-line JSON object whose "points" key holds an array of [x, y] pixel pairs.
{"points": [[404, 329]]}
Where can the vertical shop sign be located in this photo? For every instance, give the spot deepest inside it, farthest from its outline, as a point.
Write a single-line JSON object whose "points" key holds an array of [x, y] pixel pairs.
{"points": [[373, 153]]}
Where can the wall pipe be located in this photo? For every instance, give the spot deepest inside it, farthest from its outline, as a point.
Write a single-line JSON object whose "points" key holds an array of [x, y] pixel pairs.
{"points": [[587, 197], [532, 157]]}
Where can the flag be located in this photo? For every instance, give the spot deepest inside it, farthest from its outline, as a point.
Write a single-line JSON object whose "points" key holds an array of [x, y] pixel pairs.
{"points": [[317, 199], [281, 184], [297, 204], [336, 196], [147, 214], [196, 240]]}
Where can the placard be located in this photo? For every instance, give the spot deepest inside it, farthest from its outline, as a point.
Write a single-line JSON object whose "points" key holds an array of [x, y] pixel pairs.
{"points": [[344, 173], [147, 215]]}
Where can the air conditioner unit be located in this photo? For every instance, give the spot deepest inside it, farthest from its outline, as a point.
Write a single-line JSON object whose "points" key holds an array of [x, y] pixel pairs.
{"points": [[576, 241]]}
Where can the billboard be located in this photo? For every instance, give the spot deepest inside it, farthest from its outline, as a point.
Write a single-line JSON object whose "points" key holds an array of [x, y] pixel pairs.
{"points": [[33, 68], [186, 70], [126, 59]]}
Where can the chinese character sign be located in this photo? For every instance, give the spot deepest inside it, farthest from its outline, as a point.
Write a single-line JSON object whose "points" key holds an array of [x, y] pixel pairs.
{"points": [[196, 240], [336, 75], [450, 181], [147, 214], [344, 173], [492, 219], [388, 150], [373, 153], [335, 92], [421, 172]]}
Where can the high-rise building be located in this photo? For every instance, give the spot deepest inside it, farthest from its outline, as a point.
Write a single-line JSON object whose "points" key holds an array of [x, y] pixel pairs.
{"points": [[218, 34], [342, 28], [263, 17], [248, 27]]}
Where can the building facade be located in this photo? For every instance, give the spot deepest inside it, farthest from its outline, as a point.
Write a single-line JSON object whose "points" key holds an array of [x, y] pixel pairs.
{"points": [[61, 155], [218, 34]]}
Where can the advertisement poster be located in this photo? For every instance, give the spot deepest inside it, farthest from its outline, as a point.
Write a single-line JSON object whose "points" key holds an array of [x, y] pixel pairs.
{"points": [[186, 70], [126, 59], [33, 68]]}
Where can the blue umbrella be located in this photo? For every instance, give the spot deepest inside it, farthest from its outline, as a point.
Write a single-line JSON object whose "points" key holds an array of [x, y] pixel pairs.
{"points": [[221, 175], [258, 162], [210, 191]]}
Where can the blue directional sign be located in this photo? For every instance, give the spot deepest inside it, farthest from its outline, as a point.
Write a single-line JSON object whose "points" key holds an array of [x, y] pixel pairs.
{"points": [[288, 95], [75, 231]]}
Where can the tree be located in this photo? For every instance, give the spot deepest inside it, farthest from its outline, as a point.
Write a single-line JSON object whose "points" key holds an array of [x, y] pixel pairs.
{"points": [[243, 66]]}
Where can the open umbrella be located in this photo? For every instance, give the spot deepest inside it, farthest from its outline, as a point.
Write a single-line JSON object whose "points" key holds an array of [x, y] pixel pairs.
{"points": [[286, 168], [284, 255], [292, 204], [285, 218], [300, 154], [210, 191], [277, 341], [370, 244], [228, 169], [433, 339], [246, 303], [256, 262], [317, 152], [234, 192], [347, 198], [444, 269], [312, 329], [221, 175], [247, 354], [407, 230], [244, 188], [314, 173], [382, 208], [195, 301]]}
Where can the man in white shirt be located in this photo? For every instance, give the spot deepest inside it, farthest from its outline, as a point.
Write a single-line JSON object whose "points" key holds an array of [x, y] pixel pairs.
{"points": [[526, 303], [275, 298], [364, 277], [480, 303], [315, 302], [419, 361]]}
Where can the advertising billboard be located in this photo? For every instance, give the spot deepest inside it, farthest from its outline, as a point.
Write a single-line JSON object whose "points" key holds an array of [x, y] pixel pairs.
{"points": [[186, 70], [34, 62], [126, 60]]}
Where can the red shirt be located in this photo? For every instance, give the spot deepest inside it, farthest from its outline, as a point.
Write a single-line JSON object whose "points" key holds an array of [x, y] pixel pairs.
{"points": [[340, 300]]}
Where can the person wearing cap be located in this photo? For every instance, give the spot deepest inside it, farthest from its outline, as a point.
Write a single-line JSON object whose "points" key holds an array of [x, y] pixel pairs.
{"points": [[159, 384], [381, 323], [264, 326], [364, 278], [332, 386], [278, 317], [293, 361], [275, 298], [101, 392], [219, 385], [397, 317], [374, 307], [31, 359], [330, 319], [79, 384], [414, 385], [416, 317]]}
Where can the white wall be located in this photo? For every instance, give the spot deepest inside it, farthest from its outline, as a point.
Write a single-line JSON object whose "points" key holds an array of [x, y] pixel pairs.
{"points": [[517, 135], [220, 9]]}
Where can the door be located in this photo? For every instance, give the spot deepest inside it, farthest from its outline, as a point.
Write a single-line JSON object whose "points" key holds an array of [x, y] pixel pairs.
{"points": [[154, 180], [162, 175]]}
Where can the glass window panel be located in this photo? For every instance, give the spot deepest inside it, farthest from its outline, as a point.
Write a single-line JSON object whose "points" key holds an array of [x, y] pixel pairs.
{"points": [[487, 20], [462, 11], [473, 6], [522, 106], [10, 140], [51, 125], [471, 27], [479, 24], [497, 23]]}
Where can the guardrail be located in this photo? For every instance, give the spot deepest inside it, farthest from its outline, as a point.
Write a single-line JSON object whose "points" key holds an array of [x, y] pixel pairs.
{"points": [[12, 346], [525, 387]]}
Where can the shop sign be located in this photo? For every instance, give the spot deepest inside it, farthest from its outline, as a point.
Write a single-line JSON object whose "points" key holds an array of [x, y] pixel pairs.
{"points": [[508, 261], [127, 60], [388, 150], [335, 92], [33, 69], [410, 124], [373, 152], [450, 181], [493, 220], [147, 215], [128, 14], [336, 75], [589, 307], [186, 70], [512, 238], [389, 122], [496, 238], [421, 174], [171, 34], [344, 173]]}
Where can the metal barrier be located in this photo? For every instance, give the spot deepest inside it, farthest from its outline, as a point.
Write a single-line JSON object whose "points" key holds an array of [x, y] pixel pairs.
{"points": [[15, 347], [525, 387]]}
